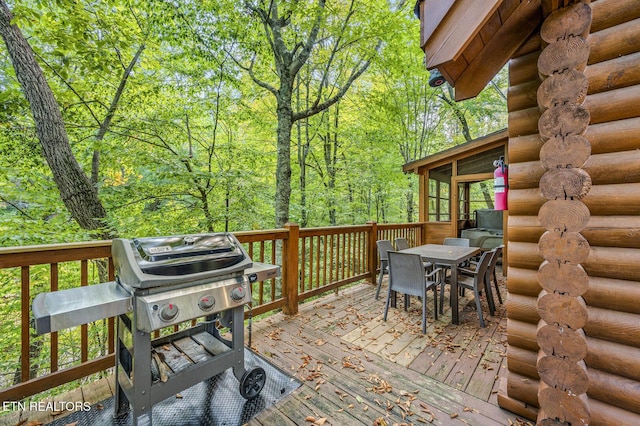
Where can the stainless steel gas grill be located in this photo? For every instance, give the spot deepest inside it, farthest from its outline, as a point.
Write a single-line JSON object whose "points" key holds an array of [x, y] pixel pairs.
{"points": [[161, 282]]}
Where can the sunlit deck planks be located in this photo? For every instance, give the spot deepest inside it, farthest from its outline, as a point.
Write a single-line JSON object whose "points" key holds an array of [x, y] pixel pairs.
{"points": [[357, 368]]}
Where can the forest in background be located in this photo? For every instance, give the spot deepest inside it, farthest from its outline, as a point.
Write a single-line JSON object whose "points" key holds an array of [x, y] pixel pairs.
{"points": [[177, 113]]}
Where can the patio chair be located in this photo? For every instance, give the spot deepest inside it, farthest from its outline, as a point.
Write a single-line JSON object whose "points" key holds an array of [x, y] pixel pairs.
{"points": [[461, 242], [475, 280], [384, 246], [491, 271], [406, 276], [401, 244]]}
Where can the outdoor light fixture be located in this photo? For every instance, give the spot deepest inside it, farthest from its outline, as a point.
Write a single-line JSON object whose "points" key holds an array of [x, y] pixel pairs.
{"points": [[435, 78]]}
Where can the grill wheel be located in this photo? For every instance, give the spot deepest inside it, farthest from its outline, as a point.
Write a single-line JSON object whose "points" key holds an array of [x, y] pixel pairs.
{"points": [[252, 382]]}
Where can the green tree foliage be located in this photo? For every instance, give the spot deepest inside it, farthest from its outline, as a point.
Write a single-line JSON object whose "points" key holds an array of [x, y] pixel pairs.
{"points": [[166, 112], [175, 111]]}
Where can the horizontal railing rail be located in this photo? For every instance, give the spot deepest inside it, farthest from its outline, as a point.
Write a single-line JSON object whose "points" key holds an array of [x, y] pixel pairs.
{"points": [[313, 261]]}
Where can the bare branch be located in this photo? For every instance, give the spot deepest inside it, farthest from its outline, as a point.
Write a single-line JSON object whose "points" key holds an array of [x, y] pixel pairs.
{"points": [[356, 72], [104, 126], [301, 58]]}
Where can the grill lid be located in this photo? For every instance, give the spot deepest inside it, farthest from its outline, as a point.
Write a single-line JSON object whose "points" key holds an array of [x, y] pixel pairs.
{"points": [[155, 261]]}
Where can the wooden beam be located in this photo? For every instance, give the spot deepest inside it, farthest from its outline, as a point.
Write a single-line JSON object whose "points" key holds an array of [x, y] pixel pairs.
{"points": [[462, 23], [432, 12], [515, 31]]}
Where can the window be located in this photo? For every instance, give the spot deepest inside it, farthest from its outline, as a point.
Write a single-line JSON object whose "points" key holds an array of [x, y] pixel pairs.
{"points": [[440, 194]]}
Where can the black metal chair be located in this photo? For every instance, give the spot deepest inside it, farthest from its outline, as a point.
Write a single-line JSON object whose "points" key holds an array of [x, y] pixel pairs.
{"points": [[406, 276]]}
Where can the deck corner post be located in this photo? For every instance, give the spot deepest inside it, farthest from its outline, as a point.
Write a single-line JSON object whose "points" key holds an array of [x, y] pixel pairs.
{"points": [[290, 268], [421, 238], [372, 252]]}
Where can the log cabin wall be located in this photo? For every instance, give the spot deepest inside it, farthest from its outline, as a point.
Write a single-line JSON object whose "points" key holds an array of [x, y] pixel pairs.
{"points": [[613, 231]]}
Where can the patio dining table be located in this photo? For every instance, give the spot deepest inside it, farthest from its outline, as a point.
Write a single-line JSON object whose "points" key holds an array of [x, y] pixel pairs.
{"points": [[447, 255]]}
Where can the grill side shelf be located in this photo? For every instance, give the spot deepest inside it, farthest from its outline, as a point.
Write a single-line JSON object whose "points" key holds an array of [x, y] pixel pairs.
{"points": [[76, 306]]}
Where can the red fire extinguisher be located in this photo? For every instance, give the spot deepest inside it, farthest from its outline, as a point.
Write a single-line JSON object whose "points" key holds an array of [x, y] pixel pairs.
{"points": [[500, 183]]}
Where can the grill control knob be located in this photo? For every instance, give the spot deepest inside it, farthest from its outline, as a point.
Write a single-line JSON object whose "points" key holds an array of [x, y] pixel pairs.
{"points": [[237, 294], [168, 312], [206, 302]]}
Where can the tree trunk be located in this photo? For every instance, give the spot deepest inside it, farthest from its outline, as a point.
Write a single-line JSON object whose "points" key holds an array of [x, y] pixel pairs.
{"points": [[304, 146], [330, 160], [410, 201], [283, 165], [76, 191]]}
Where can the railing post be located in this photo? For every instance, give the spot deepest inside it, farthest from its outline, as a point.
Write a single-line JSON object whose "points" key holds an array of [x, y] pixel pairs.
{"points": [[422, 238], [372, 251], [290, 258]]}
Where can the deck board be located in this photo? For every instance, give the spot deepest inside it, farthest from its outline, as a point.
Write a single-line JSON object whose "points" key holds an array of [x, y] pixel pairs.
{"points": [[339, 345]]}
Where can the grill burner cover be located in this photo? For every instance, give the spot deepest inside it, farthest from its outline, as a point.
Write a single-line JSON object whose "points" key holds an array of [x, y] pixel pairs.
{"points": [[160, 261], [186, 255]]}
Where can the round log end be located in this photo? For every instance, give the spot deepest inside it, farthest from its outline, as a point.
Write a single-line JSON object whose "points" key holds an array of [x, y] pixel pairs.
{"points": [[567, 21], [562, 341], [565, 312], [563, 278], [570, 86], [564, 406], [564, 215], [565, 184], [565, 152], [564, 247], [564, 54], [562, 120], [563, 374]]}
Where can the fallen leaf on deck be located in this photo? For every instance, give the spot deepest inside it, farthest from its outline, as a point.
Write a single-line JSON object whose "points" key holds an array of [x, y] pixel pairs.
{"points": [[310, 419], [380, 421], [453, 415], [72, 424], [320, 421]]}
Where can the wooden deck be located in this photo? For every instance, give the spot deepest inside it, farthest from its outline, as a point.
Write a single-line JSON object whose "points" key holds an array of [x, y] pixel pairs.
{"points": [[358, 369]]}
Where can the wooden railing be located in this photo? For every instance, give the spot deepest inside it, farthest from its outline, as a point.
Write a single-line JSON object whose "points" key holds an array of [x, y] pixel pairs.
{"points": [[313, 261]]}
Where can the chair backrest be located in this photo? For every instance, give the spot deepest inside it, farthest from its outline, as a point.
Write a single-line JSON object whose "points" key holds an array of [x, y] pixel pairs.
{"points": [[483, 265], [406, 273], [462, 242], [497, 252], [402, 243], [384, 246]]}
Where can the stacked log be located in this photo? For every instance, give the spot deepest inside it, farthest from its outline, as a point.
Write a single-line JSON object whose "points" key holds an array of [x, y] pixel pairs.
{"points": [[563, 385], [613, 229]]}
